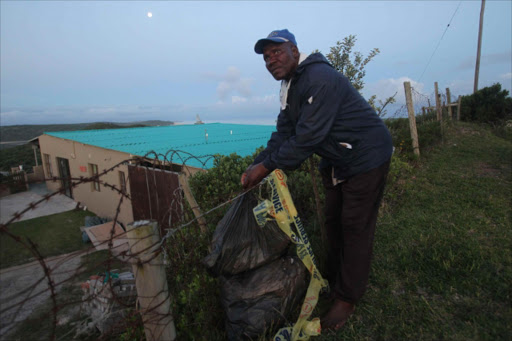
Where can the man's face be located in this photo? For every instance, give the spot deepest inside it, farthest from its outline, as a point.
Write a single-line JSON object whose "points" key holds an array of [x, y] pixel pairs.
{"points": [[281, 59]]}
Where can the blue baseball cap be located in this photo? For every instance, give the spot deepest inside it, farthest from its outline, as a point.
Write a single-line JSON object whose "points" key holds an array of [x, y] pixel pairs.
{"points": [[277, 36]]}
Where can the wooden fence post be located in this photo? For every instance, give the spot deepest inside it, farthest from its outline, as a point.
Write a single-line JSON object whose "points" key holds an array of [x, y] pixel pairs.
{"points": [[439, 111], [458, 108], [150, 280], [438, 104], [192, 202], [412, 118], [449, 102]]}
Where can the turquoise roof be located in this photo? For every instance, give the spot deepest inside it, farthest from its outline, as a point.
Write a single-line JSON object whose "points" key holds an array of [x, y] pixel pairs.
{"points": [[223, 139]]}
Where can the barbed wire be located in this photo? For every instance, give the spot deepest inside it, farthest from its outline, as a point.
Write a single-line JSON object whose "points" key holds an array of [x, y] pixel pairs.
{"points": [[53, 275]]}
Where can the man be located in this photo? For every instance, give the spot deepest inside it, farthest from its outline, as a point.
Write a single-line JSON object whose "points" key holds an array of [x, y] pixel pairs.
{"points": [[322, 113]]}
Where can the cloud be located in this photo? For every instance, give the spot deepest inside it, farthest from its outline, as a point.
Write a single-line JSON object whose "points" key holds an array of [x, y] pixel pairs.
{"points": [[238, 99], [229, 83], [239, 109], [385, 88], [267, 99], [223, 90], [506, 76]]}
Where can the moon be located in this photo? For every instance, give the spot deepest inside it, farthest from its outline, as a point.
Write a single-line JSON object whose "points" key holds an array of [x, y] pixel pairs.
{"points": [[150, 14]]}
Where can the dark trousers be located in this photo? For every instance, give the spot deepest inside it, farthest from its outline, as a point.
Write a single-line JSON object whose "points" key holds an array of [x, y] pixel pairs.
{"points": [[351, 210]]}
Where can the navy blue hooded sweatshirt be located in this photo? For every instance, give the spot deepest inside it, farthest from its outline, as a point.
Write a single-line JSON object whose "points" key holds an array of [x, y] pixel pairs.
{"points": [[324, 109]]}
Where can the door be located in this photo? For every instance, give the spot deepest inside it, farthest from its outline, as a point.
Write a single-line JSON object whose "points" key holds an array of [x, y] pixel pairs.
{"points": [[65, 176], [155, 195]]}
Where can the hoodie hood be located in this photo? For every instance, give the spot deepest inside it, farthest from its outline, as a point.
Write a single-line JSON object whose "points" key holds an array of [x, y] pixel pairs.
{"points": [[312, 59], [304, 61]]}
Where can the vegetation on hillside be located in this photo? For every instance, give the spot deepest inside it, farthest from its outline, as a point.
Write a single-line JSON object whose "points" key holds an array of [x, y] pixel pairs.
{"points": [[442, 260], [20, 155], [441, 265], [16, 155], [441, 253], [491, 106], [108, 125], [27, 132], [488, 105]]}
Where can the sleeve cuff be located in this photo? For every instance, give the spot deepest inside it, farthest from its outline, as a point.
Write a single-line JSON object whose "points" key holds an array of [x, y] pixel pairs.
{"points": [[269, 164]]}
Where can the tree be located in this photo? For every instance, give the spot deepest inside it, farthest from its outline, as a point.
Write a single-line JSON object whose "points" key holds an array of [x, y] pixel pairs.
{"points": [[352, 64], [380, 107]]}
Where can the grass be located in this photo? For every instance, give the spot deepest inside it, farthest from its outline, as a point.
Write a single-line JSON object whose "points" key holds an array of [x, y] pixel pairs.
{"points": [[54, 235], [442, 261]]}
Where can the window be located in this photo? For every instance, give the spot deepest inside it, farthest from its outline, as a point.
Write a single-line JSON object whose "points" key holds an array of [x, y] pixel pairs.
{"points": [[93, 171], [47, 166], [122, 182]]}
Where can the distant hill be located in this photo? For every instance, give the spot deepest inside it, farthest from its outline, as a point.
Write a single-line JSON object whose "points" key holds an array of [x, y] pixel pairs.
{"points": [[101, 125], [17, 134]]}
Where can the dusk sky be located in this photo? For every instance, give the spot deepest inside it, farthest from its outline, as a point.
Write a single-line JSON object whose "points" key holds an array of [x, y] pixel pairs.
{"points": [[88, 61]]}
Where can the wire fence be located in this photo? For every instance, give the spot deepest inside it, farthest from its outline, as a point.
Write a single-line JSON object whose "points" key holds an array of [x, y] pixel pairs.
{"points": [[102, 288], [91, 293]]}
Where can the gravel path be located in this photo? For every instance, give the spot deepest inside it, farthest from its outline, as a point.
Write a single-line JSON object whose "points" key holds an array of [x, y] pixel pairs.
{"points": [[24, 287]]}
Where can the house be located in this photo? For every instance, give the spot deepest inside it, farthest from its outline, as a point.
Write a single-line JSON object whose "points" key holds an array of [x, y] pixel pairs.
{"points": [[142, 162]]}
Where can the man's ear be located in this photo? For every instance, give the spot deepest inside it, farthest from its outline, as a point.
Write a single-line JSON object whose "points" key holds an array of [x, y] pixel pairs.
{"points": [[295, 51]]}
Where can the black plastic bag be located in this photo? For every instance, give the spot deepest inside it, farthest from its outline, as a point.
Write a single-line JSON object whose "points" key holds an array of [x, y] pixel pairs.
{"points": [[239, 244], [258, 301]]}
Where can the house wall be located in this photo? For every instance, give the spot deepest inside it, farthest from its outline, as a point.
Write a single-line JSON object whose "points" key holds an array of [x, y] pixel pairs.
{"points": [[103, 202], [37, 175]]}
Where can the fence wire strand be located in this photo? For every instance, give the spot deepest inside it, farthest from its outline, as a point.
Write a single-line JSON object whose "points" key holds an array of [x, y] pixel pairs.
{"points": [[50, 284]]}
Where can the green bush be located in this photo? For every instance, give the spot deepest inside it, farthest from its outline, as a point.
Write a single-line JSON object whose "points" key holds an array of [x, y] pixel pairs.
{"points": [[429, 134], [194, 293], [488, 105], [192, 288], [19, 155], [399, 170], [220, 184]]}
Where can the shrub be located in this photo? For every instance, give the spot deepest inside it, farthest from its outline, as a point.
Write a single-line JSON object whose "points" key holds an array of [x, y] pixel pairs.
{"points": [[399, 170], [194, 293], [220, 184], [488, 105], [429, 133], [192, 288]]}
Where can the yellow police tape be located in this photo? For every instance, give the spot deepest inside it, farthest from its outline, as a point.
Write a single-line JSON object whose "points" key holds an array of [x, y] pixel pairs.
{"points": [[281, 208]]}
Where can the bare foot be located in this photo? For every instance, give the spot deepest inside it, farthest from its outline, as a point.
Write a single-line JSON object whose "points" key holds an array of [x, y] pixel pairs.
{"points": [[338, 315]]}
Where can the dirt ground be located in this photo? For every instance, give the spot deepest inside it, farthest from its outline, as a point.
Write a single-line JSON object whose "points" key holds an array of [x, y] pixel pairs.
{"points": [[24, 287]]}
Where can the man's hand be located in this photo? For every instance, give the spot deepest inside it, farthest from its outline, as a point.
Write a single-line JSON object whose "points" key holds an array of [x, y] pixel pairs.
{"points": [[253, 175]]}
